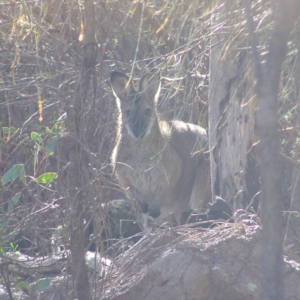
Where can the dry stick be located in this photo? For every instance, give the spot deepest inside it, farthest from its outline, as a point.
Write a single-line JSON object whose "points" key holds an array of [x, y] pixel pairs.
{"points": [[156, 25], [78, 159], [268, 150]]}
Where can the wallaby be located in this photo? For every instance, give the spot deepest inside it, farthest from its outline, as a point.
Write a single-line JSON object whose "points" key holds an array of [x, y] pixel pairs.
{"points": [[161, 165]]}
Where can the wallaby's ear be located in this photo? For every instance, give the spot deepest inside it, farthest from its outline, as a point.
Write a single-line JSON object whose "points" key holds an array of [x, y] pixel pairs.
{"points": [[150, 83], [120, 84]]}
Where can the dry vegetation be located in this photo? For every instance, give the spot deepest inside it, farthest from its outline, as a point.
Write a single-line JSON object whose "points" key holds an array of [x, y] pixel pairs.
{"points": [[41, 49]]}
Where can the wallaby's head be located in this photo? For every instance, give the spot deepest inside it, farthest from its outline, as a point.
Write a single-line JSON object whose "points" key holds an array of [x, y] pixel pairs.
{"points": [[138, 107]]}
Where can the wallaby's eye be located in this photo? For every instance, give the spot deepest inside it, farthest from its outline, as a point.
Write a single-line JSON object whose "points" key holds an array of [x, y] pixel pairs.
{"points": [[127, 112], [148, 112]]}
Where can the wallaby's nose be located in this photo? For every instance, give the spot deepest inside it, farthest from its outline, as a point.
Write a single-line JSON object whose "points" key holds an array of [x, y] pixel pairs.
{"points": [[139, 126]]}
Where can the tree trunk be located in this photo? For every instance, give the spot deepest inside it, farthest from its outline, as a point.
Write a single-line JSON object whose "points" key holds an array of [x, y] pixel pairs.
{"points": [[78, 177], [268, 150], [231, 107]]}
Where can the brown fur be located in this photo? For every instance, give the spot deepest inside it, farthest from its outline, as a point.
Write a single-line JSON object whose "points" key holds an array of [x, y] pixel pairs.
{"points": [[159, 164]]}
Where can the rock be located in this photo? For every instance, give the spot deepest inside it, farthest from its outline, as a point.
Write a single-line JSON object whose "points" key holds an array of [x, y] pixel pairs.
{"points": [[97, 263], [195, 264], [122, 218], [217, 212], [182, 263]]}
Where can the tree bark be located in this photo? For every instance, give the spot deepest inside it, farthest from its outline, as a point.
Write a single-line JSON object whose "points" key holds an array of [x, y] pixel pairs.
{"points": [[231, 108], [77, 172], [268, 150]]}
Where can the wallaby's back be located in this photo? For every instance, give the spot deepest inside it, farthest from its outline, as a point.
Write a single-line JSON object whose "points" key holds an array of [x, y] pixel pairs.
{"points": [[156, 161]]}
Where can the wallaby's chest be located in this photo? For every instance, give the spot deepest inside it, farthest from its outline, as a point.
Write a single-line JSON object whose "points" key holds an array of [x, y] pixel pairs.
{"points": [[149, 167]]}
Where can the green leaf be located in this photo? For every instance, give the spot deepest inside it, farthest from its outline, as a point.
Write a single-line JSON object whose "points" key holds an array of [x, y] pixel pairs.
{"points": [[46, 178], [13, 201], [13, 173], [58, 127], [13, 246], [48, 130], [37, 139], [11, 131], [22, 286], [52, 145], [42, 284]]}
